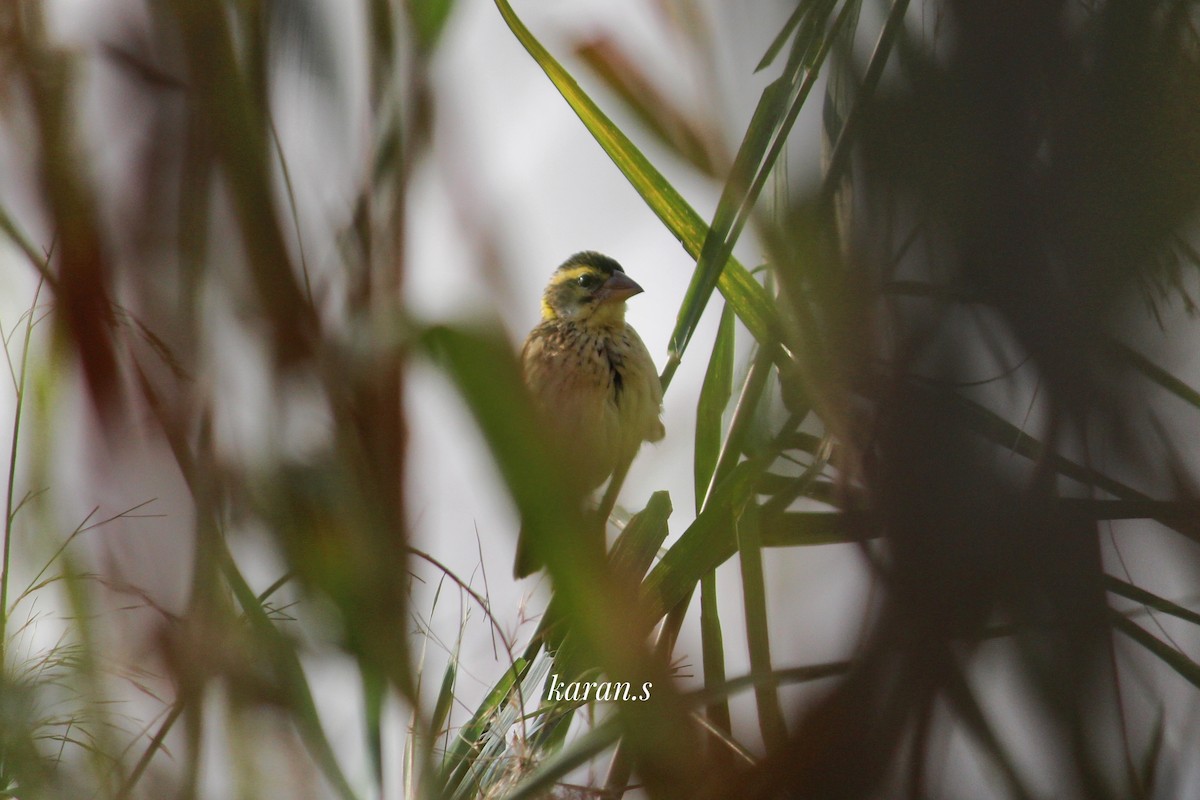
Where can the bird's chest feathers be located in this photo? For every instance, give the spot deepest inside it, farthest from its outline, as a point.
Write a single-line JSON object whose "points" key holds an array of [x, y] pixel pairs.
{"points": [[599, 387], [596, 360]]}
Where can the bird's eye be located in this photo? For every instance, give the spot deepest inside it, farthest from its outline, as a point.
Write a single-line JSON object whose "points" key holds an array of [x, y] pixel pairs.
{"points": [[587, 281]]}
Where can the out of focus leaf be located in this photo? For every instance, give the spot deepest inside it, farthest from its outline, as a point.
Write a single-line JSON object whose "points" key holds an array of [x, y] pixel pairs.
{"points": [[1002, 432], [1182, 665], [297, 26], [1150, 600], [802, 529], [1157, 374], [286, 662], [758, 634], [781, 38], [654, 110], [862, 97], [487, 374], [429, 19]]}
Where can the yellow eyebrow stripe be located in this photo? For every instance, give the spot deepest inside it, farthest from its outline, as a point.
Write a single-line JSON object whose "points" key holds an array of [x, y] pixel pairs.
{"points": [[573, 273]]}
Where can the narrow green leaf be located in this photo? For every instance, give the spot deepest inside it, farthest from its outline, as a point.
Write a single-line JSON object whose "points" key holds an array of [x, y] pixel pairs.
{"points": [[803, 528], [839, 158], [778, 677], [287, 664], [742, 422], [781, 38], [991, 426], [758, 635], [1157, 374], [712, 643], [374, 689], [710, 409], [465, 743], [429, 19], [445, 698]]}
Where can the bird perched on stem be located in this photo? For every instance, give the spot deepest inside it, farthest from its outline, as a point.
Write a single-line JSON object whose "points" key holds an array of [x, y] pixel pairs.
{"points": [[591, 375]]}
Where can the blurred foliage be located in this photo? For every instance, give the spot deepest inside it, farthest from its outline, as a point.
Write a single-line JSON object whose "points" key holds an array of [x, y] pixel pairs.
{"points": [[948, 359]]}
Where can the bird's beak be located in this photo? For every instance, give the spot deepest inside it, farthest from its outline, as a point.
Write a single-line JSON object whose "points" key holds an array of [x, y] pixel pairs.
{"points": [[619, 287]]}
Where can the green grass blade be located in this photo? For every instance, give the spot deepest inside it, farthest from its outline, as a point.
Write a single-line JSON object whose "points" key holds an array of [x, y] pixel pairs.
{"points": [[743, 420], [288, 667], [995, 428], [714, 397], [712, 643], [802, 528], [758, 635], [635, 549], [459, 757], [374, 689], [781, 38], [778, 677], [445, 698]]}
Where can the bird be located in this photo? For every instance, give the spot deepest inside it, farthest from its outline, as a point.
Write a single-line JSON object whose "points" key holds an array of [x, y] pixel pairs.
{"points": [[591, 375]]}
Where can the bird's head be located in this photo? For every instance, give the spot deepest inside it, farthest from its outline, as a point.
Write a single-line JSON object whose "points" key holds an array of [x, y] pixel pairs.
{"points": [[588, 287]]}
